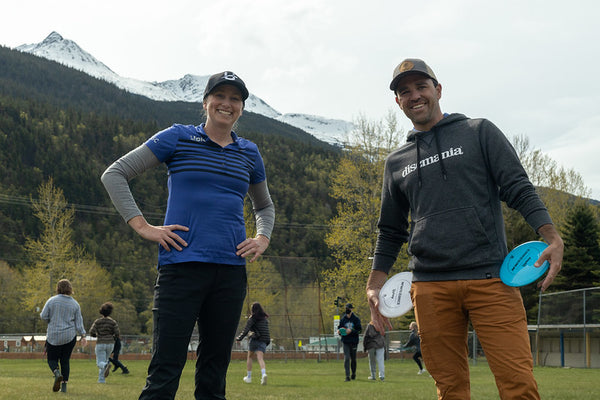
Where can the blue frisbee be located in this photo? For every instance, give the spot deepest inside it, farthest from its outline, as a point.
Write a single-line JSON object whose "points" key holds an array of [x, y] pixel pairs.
{"points": [[518, 269]]}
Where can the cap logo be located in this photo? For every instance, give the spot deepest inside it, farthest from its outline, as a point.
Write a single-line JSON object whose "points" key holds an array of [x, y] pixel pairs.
{"points": [[406, 66], [230, 76]]}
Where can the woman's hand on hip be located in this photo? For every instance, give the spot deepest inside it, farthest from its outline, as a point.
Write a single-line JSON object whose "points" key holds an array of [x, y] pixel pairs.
{"points": [[163, 235], [253, 246]]}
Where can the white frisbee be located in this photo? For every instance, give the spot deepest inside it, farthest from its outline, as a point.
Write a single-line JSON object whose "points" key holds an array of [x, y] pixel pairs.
{"points": [[394, 296], [518, 269]]}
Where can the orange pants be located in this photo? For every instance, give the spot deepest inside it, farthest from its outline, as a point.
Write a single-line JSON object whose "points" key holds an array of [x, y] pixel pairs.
{"points": [[443, 310]]}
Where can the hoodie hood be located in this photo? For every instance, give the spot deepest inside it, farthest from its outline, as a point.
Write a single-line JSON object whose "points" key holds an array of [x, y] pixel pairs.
{"points": [[448, 119], [416, 135]]}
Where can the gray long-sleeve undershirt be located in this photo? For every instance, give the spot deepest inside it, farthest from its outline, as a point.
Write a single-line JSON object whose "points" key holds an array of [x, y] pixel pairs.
{"points": [[116, 177]]}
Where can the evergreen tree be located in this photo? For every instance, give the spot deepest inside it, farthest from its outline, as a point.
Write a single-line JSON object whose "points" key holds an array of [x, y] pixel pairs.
{"points": [[581, 262]]}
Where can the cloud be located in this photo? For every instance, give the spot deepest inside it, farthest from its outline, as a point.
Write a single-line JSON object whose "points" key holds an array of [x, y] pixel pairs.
{"points": [[577, 149]]}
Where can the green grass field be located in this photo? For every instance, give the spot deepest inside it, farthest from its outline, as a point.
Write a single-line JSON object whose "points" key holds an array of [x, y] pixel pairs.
{"points": [[298, 379]]}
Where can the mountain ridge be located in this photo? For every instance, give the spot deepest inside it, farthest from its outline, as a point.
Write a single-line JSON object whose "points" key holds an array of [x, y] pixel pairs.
{"points": [[189, 88]]}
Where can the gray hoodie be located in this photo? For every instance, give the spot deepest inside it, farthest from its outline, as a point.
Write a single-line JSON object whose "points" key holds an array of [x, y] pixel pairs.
{"points": [[451, 181]]}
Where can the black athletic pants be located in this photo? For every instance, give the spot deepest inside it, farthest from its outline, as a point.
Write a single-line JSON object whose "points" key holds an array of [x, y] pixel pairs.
{"points": [[417, 357], [211, 295], [350, 358], [115, 358], [61, 354]]}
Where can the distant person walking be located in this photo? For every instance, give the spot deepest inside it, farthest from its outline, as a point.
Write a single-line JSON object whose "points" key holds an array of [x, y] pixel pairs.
{"points": [[115, 358], [374, 345], [415, 340], [258, 327], [63, 314], [105, 329], [349, 329]]}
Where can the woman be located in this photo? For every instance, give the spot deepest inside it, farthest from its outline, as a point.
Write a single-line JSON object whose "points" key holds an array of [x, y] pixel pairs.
{"points": [[259, 340], [105, 329], [374, 345], [202, 244], [63, 314], [415, 340]]}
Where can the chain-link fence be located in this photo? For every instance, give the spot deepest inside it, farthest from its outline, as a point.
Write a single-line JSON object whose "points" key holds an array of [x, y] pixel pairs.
{"points": [[568, 330], [301, 320]]}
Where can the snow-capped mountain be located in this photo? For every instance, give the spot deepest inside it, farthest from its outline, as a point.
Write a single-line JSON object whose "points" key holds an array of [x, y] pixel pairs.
{"points": [[190, 88]]}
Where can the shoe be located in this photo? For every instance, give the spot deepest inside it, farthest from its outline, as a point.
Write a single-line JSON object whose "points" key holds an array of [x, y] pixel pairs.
{"points": [[57, 380], [247, 379], [263, 380], [382, 379], [353, 376], [421, 372], [63, 387], [371, 378], [347, 379], [125, 370], [116, 367], [106, 370]]}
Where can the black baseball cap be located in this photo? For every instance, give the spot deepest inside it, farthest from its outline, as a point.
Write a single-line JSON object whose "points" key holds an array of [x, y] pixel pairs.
{"points": [[226, 77], [350, 306], [408, 67]]}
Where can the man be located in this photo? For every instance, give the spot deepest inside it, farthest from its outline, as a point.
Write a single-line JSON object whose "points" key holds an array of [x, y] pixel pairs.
{"points": [[349, 329], [450, 178]]}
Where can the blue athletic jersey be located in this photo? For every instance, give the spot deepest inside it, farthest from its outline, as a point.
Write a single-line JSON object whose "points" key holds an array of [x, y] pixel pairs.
{"points": [[207, 185]]}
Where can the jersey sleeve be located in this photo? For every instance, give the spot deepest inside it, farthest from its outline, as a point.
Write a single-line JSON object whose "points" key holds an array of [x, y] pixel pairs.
{"points": [[163, 143]]}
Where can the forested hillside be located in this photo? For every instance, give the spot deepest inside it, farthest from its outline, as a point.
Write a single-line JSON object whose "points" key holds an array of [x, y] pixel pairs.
{"points": [[62, 126], [59, 123]]}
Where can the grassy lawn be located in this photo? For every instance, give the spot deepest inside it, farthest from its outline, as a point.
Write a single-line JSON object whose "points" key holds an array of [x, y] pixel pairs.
{"points": [[308, 379]]}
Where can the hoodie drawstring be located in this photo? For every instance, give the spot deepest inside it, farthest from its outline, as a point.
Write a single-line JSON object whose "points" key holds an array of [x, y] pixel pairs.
{"points": [[441, 161], [418, 161], [437, 143]]}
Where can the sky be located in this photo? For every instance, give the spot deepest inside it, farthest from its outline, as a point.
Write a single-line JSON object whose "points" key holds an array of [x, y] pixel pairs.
{"points": [[529, 66]]}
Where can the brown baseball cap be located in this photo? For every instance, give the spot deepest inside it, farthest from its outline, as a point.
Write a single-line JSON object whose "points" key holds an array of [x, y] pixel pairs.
{"points": [[408, 67]]}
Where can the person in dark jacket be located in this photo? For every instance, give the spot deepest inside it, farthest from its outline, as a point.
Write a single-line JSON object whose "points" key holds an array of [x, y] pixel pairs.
{"points": [[260, 338], [415, 341], [115, 358], [442, 194], [374, 345], [349, 329]]}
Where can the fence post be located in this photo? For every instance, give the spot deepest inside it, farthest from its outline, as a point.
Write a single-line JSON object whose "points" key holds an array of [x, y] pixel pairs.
{"points": [[562, 348], [586, 360], [537, 331]]}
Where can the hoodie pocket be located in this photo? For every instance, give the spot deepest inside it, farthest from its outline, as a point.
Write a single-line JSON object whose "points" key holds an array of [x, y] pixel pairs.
{"points": [[452, 239]]}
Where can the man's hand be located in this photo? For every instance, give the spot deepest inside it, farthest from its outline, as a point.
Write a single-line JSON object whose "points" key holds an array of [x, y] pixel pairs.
{"points": [[374, 285], [553, 254]]}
